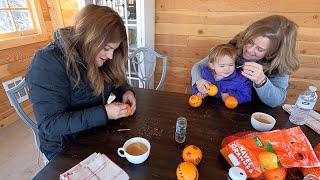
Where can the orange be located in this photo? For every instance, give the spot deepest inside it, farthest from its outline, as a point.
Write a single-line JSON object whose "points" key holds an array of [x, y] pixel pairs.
{"points": [[275, 174], [187, 171], [129, 111], [213, 90], [192, 154], [195, 101], [231, 102], [268, 160], [314, 170]]}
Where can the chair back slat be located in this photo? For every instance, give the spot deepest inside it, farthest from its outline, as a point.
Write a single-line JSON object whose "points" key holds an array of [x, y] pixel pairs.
{"points": [[143, 63], [18, 108]]}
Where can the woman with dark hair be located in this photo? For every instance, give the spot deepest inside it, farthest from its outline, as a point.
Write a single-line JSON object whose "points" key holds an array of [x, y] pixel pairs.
{"points": [[70, 79], [266, 54]]}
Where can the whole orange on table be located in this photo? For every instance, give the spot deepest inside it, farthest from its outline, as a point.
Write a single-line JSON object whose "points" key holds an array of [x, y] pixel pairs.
{"points": [[195, 100], [213, 90], [231, 102], [192, 154], [187, 171]]}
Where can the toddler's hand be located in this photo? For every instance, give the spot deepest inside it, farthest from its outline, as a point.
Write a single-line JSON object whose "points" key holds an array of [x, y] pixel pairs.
{"points": [[203, 86], [202, 95], [224, 96]]}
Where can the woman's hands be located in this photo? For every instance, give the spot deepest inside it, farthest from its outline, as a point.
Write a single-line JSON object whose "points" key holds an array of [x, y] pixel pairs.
{"points": [[128, 98], [254, 72], [117, 110]]}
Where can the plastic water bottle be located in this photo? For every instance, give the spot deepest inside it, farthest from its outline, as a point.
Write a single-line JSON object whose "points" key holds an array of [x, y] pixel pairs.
{"points": [[181, 129], [304, 104]]}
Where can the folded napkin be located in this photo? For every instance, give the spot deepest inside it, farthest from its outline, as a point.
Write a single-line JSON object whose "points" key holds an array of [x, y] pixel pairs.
{"points": [[95, 167], [313, 119]]}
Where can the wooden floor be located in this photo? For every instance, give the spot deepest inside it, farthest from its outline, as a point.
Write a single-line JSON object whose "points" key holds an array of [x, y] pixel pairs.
{"points": [[18, 156]]}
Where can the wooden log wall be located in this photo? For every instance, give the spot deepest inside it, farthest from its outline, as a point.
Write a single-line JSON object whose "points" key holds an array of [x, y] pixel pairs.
{"points": [[186, 30], [69, 9], [14, 62]]}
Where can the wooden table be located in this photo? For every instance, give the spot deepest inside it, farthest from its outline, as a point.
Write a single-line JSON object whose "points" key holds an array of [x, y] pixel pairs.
{"points": [[155, 120]]}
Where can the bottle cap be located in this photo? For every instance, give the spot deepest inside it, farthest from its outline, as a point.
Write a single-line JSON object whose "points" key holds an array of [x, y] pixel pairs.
{"points": [[313, 88], [236, 173]]}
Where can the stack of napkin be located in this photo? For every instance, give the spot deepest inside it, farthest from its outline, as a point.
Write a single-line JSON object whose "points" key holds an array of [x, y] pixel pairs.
{"points": [[96, 166], [313, 119]]}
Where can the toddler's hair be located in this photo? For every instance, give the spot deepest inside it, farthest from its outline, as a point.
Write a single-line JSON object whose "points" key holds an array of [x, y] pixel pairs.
{"points": [[221, 51]]}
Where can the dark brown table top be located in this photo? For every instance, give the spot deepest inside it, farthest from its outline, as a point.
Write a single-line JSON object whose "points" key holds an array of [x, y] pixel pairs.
{"points": [[155, 120]]}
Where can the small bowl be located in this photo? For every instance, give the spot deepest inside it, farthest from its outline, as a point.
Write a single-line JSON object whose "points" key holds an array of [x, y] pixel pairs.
{"points": [[262, 121]]}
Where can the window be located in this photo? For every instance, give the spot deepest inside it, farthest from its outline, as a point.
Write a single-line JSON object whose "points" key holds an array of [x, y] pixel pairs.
{"points": [[16, 18], [21, 23]]}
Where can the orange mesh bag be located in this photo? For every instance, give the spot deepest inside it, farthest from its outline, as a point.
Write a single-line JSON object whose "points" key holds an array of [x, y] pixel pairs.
{"points": [[257, 152], [314, 170]]}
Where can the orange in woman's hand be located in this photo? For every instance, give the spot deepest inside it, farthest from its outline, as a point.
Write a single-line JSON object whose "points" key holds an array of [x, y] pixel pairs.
{"points": [[129, 111], [213, 90], [195, 101], [231, 102]]}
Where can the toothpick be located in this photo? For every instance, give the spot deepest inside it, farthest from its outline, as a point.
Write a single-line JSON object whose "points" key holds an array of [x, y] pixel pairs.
{"points": [[123, 130]]}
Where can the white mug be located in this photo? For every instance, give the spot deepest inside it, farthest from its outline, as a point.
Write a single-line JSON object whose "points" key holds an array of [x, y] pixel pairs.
{"points": [[135, 158]]}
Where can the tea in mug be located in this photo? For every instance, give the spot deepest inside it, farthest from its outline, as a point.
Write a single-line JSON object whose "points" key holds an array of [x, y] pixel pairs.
{"points": [[262, 120], [136, 149]]}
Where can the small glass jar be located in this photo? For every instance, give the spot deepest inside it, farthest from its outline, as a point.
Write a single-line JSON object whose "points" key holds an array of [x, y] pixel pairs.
{"points": [[181, 130]]}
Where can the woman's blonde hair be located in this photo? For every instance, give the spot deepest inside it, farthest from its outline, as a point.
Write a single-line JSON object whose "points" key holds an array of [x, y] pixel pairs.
{"points": [[221, 51], [94, 27], [282, 32]]}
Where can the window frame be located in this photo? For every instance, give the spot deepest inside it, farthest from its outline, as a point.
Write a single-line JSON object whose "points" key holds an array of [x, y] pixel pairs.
{"points": [[38, 34]]}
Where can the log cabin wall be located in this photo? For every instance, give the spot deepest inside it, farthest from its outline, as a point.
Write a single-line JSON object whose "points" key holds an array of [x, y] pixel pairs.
{"points": [[186, 30], [69, 9], [14, 62]]}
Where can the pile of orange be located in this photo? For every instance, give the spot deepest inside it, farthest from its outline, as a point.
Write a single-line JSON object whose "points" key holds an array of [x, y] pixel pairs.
{"points": [[196, 100], [192, 156]]}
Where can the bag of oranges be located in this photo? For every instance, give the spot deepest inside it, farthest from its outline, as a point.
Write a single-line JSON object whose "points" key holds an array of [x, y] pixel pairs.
{"points": [[258, 152]]}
